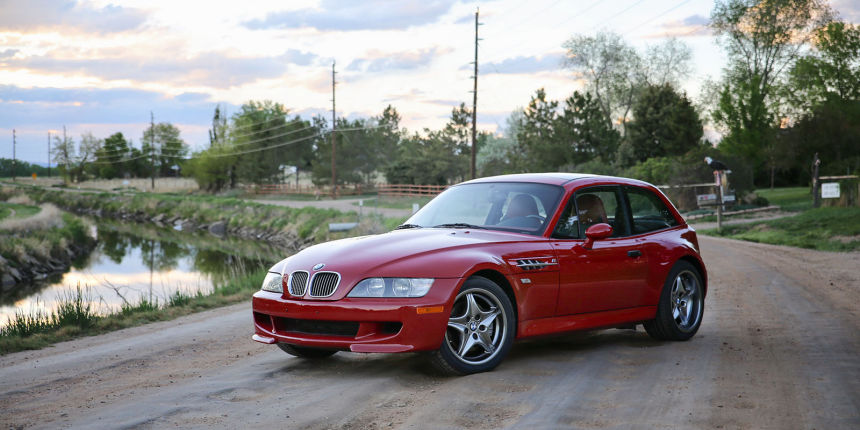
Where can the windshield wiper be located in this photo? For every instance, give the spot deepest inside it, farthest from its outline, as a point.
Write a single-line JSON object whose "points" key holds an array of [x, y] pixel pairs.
{"points": [[458, 225], [405, 226]]}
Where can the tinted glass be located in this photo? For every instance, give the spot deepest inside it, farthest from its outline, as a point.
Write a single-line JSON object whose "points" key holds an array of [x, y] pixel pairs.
{"points": [[520, 207], [648, 211], [591, 206]]}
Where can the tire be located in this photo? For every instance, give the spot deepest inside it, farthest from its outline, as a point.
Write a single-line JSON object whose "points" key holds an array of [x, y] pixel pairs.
{"points": [[306, 352], [480, 331], [681, 306]]}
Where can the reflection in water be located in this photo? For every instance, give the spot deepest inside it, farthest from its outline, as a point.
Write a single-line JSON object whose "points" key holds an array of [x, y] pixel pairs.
{"points": [[133, 262]]}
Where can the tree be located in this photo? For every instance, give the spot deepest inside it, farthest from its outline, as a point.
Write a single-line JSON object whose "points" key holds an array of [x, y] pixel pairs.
{"points": [[614, 72], [664, 123], [169, 149], [536, 135], [611, 69], [762, 39], [111, 160], [831, 71], [583, 133]]}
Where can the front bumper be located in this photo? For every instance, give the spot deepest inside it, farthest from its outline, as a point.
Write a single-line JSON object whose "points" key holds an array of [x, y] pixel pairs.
{"points": [[356, 324]]}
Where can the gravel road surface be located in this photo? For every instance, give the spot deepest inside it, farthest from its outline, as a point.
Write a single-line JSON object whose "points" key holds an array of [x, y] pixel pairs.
{"points": [[779, 348]]}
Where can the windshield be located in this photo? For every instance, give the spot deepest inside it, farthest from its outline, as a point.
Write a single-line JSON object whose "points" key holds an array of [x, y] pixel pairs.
{"points": [[509, 206]]}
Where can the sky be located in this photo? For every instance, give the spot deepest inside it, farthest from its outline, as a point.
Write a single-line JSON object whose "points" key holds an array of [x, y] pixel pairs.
{"points": [[102, 67]]}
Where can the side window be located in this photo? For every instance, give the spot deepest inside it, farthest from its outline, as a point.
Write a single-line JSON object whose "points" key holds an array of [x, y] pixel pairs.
{"points": [[568, 223], [590, 206], [648, 211]]}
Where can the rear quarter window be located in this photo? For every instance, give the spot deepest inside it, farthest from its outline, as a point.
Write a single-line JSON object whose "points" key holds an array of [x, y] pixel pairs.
{"points": [[648, 211]]}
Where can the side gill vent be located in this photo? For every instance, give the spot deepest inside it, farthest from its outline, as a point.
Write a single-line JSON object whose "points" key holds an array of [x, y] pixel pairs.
{"points": [[535, 264]]}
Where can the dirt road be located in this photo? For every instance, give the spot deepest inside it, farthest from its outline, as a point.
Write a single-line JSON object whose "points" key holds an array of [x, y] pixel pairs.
{"points": [[779, 349]]}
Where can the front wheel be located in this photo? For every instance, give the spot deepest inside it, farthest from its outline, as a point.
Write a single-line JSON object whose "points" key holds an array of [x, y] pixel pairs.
{"points": [[682, 302], [306, 352], [480, 330]]}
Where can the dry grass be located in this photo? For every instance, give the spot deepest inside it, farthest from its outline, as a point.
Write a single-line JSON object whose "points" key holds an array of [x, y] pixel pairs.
{"points": [[162, 185], [48, 217], [21, 199]]}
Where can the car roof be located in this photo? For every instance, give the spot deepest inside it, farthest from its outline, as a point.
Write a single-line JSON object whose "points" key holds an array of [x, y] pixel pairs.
{"points": [[557, 178]]}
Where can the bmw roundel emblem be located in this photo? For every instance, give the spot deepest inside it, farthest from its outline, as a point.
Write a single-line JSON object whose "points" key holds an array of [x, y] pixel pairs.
{"points": [[319, 266]]}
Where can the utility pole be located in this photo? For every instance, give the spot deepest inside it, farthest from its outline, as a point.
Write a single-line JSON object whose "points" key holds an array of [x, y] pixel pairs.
{"points": [[475, 99], [152, 150], [49, 154], [333, 128], [14, 160]]}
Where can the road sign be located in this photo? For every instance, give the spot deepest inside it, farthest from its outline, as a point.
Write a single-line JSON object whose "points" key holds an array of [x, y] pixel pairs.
{"points": [[830, 190], [706, 198]]}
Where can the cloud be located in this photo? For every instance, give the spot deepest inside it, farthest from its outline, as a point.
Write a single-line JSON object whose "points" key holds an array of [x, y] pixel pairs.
{"points": [[348, 15], [24, 16], [849, 10], [212, 69], [8, 53], [53, 107], [407, 60], [524, 65], [691, 26]]}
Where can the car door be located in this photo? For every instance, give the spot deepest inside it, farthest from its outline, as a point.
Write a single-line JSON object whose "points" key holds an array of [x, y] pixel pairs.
{"points": [[612, 275]]}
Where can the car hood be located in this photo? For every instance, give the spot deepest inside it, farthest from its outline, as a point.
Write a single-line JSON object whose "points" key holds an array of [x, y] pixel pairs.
{"points": [[427, 252]]}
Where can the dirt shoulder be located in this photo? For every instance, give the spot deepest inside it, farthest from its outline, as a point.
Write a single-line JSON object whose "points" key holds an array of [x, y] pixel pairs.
{"points": [[777, 349]]}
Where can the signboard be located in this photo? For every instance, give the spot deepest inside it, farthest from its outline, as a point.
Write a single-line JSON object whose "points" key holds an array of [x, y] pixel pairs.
{"points": [[830, 190], [706, 198], [728, 198]]}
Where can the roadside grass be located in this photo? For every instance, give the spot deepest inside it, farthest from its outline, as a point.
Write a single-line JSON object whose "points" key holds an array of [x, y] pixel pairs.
{"points": [[793, 199], [824, 229], [76, 316]]}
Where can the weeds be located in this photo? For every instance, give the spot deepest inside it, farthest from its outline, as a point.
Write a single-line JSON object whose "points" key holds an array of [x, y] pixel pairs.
{"points": [[75, 316]]}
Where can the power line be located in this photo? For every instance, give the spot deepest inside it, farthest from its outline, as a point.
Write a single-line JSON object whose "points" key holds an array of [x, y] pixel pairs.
{"points": [[656, 17]]}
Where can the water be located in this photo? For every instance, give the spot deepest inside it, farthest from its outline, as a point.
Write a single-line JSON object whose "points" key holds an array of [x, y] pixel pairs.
{"points": [[133, 262]]}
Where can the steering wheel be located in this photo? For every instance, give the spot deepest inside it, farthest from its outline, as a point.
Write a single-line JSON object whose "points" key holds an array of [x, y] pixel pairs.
{"points": [[537, 217]]}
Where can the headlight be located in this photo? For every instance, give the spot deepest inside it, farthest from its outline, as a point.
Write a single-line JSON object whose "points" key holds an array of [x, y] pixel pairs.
{"points": [[273, 282], [392, 287]]}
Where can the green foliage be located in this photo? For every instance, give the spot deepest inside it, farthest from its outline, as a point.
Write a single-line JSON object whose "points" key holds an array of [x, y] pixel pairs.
{"points": [[112, 158], [550, 141], [163, 144], [831, 71], [22, 168], [825, 229], [664, 123], [762, 38], [439, 157]]}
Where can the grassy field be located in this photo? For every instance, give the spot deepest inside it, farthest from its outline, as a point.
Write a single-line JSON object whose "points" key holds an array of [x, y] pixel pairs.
{"points": [[77, 317], [794, 199], [825, 229], [20, 211]]}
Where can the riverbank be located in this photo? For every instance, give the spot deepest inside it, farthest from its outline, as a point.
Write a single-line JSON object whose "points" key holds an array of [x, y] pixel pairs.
{"points": [[46, 243], [292, 228]]}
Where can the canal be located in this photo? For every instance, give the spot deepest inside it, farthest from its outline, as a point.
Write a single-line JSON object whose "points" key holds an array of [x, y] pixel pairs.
{"points": [[133, 262]]}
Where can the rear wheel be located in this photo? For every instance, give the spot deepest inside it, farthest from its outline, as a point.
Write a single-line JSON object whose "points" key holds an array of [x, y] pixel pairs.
{"points": [[682, 303], [306, 352], [480, 329]]}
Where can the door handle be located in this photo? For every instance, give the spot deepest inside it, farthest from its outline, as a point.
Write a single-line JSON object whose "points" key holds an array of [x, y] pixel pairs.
{"points": [[634, 253]]}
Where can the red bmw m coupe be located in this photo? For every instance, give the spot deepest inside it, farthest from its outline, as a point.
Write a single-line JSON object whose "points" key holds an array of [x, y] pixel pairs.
{"points": [[489, 261]]}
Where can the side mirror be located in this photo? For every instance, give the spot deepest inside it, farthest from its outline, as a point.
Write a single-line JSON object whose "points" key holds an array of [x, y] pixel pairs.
{"points": [[596, 232]]}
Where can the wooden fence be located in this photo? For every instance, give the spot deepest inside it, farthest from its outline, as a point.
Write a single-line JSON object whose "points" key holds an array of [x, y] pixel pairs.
{"points": [[408, 190]]}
